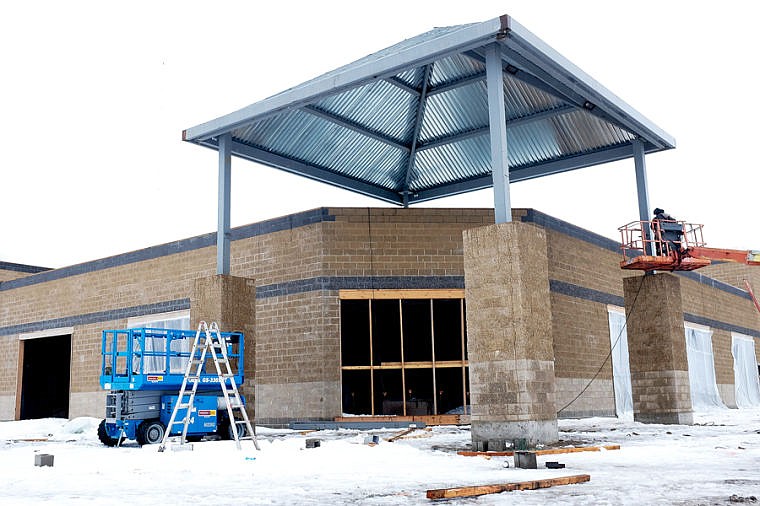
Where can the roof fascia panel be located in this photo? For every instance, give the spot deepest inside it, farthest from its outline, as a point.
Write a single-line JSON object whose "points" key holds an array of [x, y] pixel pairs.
{"points": [[571, 76], [468, 37]]}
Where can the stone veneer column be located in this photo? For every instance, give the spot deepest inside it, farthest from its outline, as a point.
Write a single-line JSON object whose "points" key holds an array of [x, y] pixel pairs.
{"points": [[229, 301], [509, 335], [657, 349]]}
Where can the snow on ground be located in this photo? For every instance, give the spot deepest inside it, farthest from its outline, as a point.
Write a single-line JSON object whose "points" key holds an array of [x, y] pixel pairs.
{"points": [[715, 461]]}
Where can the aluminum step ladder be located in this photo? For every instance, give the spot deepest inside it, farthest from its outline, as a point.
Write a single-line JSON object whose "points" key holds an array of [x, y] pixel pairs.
{"points": [[208, 338]]}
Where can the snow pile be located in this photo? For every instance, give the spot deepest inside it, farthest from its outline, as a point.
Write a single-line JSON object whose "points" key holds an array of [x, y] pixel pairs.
{"points": [[709, 462]]}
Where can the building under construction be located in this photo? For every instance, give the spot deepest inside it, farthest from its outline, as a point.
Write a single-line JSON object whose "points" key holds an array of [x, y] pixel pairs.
{"points": [[508, 317]]}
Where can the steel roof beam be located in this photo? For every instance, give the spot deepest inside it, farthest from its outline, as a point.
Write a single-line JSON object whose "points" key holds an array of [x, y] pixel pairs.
{"points": [[525, 77], [309, 171], [399, 83], [416, 134], [511, 123], [353, 125], [615, 153]]}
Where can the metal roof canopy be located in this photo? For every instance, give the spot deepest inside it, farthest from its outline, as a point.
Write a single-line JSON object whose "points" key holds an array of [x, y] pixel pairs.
{"points": [[452, 110]]}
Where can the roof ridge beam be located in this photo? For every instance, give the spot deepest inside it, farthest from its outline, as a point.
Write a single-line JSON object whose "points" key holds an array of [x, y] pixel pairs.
{"points": [[355, 126], [416, 134]]}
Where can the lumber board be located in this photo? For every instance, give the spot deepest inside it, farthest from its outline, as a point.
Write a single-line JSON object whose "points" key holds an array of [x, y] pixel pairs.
{"points": [[401, 434], [546, 451], [471, 491]]}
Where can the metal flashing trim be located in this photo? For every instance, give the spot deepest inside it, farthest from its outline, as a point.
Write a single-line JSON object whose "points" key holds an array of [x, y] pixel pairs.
{"points": [[332, 283], [717, 324], [581, 292], [31, 269], [202, 241], [546, 221], [97, 317]]}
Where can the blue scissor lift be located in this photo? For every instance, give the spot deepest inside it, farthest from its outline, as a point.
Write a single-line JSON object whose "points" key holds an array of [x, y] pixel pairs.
{"points": [[142, 370]]}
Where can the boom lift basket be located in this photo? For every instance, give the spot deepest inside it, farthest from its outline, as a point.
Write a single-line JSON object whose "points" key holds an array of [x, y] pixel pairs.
{"points": [[662, 245]]}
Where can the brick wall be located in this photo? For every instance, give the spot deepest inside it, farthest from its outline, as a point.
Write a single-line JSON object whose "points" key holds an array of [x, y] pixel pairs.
{"points": [[299, 263]]}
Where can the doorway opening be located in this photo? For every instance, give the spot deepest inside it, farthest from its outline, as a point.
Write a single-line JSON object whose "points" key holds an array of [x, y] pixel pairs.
{"points": [[45, 375], [403, 352]]}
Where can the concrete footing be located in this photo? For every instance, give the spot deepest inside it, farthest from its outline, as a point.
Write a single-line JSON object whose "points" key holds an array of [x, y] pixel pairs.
{"points": [[509, 334]]}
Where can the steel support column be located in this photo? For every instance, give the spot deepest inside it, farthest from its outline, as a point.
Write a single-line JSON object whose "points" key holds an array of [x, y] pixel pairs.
{"points": [[497, 122], [642, 189], [223, 228]]}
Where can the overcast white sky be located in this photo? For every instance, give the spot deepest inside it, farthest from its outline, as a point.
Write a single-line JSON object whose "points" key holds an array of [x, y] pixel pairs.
{"points": [[94, 97]]}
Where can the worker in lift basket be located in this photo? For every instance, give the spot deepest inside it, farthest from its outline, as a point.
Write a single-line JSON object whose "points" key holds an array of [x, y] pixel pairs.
{"points": [[669, 231]]}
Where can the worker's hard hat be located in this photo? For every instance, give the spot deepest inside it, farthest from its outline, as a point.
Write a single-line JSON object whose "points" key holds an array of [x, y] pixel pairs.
{"points": [[657, 210]]}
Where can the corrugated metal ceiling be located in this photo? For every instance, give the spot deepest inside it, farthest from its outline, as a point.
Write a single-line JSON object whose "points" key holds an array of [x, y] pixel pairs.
{"points": [[376, 122]]}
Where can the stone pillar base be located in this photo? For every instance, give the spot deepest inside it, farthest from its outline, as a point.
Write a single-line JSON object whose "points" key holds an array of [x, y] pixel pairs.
{"points": [[657, 349], [665, 418], [502, 434], [509, 335], [229, 301]]}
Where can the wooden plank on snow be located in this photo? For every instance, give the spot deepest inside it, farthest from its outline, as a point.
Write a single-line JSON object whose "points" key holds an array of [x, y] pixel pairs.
{"points": [[546, 451], [471, 491]]}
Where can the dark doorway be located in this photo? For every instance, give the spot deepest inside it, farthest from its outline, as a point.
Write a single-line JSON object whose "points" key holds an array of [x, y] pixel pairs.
{"points": [[45, 377]]}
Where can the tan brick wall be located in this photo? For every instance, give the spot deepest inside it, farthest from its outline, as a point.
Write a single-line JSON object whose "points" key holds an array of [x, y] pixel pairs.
{"points": [[6, 275], [296, 331]]}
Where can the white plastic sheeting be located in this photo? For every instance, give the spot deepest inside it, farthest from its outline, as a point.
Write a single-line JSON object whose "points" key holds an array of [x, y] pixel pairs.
{"points": [[746, 378], [699, 353], [156, 364], [621, 371]]}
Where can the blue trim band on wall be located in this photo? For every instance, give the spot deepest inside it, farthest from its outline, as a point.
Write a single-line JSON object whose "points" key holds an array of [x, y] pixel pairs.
{"points": [[100, 316], [29, 269], [348, 282], [202, 241], [563, 227], [358, 283]]}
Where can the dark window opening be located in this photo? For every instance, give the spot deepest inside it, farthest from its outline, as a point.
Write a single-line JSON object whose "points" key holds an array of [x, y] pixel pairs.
{"points": [[45, 377], [428, 378], [419, 392], [389, 392], [386, 331], [418, 344], [447, 322], [449, 385], [357, 392], [355, 343]]}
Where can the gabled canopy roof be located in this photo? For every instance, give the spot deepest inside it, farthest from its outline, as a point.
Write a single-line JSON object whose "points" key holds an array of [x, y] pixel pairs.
{"points": [[411, 122]]}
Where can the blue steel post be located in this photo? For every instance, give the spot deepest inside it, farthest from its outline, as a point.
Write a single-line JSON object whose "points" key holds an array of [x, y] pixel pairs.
{"points": [[642, 188], [497, 121], [223, 229]]}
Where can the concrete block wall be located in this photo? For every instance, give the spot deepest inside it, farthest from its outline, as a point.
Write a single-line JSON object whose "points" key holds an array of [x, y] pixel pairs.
{"points": [[299, 263], [9, 270], [723, 311], [585, 278]]}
